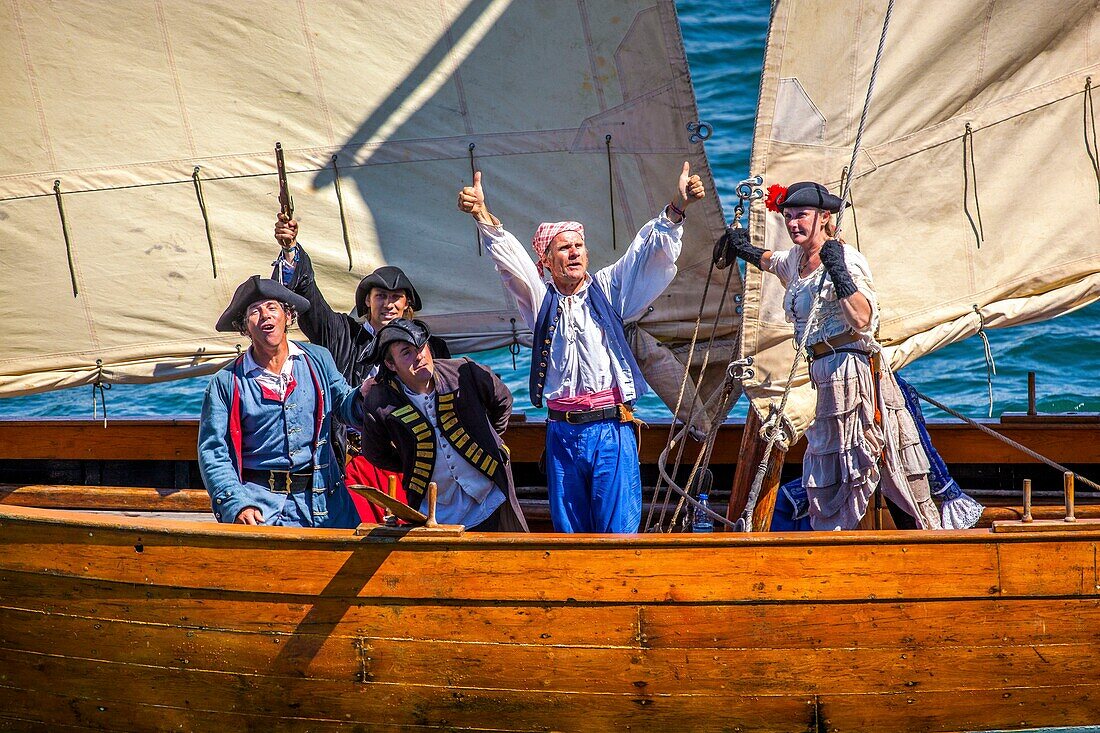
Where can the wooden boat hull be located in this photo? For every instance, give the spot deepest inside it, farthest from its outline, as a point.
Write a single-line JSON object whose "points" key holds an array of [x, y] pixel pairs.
{"points": [[159, 625]]}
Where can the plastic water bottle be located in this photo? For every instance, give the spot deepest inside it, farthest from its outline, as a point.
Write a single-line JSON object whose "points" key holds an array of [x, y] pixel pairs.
{"points": [[700, 522]]}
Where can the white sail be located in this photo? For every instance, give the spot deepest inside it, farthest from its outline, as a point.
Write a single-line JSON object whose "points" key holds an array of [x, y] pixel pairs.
{"points": [[995, 226], [121, 102]]}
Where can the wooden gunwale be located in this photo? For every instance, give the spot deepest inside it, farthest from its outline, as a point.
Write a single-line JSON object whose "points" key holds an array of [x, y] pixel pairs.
{"points": [[320, 537], [175, 439]]}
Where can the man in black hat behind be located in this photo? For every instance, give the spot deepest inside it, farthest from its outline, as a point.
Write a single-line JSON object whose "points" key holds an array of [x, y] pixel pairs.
{"points": [[441, 420], [385, 294], [264, 449]]}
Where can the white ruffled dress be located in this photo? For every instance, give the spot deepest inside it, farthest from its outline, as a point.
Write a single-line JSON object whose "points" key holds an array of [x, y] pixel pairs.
{"points": [[842, 465]]}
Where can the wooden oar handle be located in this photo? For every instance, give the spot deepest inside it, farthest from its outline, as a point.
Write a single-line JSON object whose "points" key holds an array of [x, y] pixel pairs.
{"points": [[433, 493]]}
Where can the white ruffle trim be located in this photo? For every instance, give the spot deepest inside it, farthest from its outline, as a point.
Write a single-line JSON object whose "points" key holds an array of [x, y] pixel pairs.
{"points": [[960, 512]]}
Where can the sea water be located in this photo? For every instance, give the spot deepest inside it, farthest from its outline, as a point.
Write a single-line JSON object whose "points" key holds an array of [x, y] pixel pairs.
{"points": [[725, 48]]}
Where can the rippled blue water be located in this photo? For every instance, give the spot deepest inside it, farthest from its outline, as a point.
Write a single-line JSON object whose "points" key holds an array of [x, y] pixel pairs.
{"points": [[725, 43]]}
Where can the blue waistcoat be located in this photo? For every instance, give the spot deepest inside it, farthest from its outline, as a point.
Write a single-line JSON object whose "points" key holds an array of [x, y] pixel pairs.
{"points": [[610, 322], [278, 436]]}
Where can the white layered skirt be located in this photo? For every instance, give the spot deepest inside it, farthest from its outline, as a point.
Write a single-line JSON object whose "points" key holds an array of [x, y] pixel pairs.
{"points": [[848, 454]]}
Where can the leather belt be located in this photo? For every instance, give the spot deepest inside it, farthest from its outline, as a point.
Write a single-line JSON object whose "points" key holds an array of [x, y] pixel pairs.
{"points": [[829, 346], [280, 482], [581, 417]]}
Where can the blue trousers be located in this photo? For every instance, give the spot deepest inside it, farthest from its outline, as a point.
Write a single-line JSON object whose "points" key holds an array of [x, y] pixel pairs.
{"points": [[594, 481]]}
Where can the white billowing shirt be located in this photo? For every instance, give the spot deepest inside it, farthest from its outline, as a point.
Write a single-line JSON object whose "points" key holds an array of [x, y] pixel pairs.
{"points": [[801, 291], [466, 496], [580, 360]]}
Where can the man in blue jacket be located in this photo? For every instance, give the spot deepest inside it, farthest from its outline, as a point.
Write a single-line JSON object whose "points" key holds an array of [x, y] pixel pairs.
{"points": [[264, 449]]}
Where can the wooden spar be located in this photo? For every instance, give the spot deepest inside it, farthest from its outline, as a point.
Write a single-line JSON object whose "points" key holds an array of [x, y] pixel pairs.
{"points": [[748, 462]]}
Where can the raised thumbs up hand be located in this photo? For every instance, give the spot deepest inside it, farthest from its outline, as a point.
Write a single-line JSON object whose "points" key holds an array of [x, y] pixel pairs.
{"points": [[689, 187], [471, 199]]}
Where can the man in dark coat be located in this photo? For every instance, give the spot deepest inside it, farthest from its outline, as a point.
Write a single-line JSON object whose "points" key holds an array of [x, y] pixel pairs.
{"points": [[442, 421], [385, 294]]}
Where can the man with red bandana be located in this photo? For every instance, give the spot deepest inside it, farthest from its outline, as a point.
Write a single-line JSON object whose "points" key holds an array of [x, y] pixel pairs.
{"points": [[581, 363]]}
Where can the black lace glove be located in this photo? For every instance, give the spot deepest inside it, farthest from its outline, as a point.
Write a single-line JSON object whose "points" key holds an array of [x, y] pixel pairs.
{"points": [[735, 243], [832, 256]]}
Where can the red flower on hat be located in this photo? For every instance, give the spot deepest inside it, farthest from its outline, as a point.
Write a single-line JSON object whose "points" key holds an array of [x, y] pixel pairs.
{"points": [[776, 194]]}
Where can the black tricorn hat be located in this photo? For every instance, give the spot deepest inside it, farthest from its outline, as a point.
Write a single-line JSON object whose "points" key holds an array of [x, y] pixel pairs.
{"points": [[808, 193], [398, 330], [387, 278], [255, 289]]}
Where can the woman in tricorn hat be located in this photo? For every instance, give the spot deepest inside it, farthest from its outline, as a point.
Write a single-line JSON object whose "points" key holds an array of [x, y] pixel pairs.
{"points": [[862, 437]]}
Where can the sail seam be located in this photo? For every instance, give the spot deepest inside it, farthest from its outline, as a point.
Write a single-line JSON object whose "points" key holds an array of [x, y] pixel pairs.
{"points": [[177, 86], [315, 72], [32, 79]]}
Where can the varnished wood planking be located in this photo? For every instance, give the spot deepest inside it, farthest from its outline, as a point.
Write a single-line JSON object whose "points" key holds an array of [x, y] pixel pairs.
{"points": [[589, 669], [707, 572], [1056, 703], [532, 568], [490, 622], [1062, 568], [396, 704], [49, 711], [913, 624]]}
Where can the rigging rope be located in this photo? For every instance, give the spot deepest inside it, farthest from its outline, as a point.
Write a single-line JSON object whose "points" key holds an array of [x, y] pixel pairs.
{"points": [[473, 170], [773, 427], [205, 219], [747, 191], [979, 230], [99, 391], [990, 365], [65, 232], [1090, 117], [1006, 440], [340, 205], [611, 191], [695, 397], [851, 200]]}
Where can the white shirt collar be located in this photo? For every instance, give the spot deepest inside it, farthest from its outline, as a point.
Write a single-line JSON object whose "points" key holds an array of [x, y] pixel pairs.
{"points": [[250, 365], [580, 289]]}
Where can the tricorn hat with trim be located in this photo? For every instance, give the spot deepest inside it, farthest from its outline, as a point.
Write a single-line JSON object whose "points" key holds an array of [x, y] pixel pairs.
{"points": [[387, 278], [808, 193], [253, 290], [399, 330]]}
